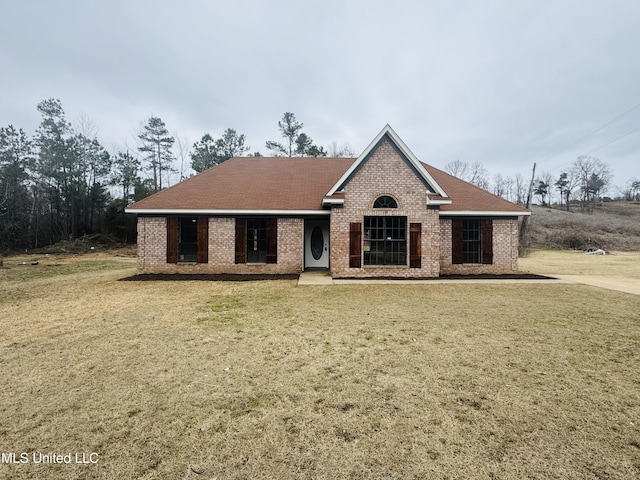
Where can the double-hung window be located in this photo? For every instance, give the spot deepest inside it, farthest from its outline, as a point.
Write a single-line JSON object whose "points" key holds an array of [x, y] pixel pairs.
{"points": [[188, 240], [256, 240], [471, 241]]}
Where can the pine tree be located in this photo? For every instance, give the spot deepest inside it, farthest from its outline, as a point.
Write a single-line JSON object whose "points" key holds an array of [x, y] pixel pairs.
{"points": [[296, 142], [16, 161], [156, 145]]}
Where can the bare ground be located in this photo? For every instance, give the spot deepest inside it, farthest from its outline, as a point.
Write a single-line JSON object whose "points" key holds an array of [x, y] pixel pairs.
{"points": [[270, 380]]}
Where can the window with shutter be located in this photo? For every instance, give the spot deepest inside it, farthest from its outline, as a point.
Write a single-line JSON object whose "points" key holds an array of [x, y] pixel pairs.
{"points": [[187, 239], [256, 240], [385, 240], [472, 240]]}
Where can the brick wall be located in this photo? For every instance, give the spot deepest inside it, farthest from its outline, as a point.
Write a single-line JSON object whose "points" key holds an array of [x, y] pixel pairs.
{"points": [[152, 248], [385, 173], [505, 250]]}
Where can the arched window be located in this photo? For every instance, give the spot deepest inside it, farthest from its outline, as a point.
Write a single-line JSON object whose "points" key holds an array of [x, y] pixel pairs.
{"points": [[385, 201]]}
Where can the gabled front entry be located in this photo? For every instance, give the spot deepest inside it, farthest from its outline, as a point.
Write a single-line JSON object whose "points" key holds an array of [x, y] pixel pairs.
{"points": [[316, 244]]}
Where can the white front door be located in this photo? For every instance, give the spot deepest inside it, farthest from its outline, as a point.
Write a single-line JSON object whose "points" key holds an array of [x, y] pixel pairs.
{"points": [[316, 244]]}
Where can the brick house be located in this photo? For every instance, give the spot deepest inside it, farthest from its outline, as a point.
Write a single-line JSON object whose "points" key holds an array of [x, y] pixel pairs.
{"points": [[383, 214]]}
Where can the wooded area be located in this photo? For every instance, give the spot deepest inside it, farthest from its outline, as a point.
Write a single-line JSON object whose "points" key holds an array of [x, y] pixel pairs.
{"points": [[62, 184]]}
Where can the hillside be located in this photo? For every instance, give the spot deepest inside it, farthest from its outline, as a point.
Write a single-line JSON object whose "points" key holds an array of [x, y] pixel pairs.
{"points": [[612, 226]]}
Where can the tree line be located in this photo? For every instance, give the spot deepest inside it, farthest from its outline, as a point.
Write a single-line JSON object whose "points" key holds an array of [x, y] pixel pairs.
{"points": [[62, 183], [584, 183]]}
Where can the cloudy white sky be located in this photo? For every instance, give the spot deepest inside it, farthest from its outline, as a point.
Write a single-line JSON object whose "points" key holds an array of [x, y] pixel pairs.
{"points": [[501, 82]]}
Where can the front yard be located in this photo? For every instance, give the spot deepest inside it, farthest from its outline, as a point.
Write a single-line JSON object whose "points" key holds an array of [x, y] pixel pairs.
{"points": [[270, 380]]}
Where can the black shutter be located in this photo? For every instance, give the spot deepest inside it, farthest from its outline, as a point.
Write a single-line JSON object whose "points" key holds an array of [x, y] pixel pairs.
{"points": [[241, 240], [486, 236], [272, 240], [415, 245], [173, 229], [355, 245], [203, 240], [457, 255]]}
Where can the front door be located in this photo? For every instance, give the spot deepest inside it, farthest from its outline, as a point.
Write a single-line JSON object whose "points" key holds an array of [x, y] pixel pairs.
{"points": [[316, 244]]}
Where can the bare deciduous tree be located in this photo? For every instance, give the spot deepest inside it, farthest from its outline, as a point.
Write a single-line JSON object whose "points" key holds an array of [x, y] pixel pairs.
{"points": [[593, 176], [473, 173], [520, 187], [479, 175], [499, 185], [182, 145], [458, 169], [343, 150], [508, 186], [547, 178]]}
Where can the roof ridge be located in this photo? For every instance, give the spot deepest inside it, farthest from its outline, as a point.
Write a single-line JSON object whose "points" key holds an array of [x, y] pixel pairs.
{"points": [[402, 148]]}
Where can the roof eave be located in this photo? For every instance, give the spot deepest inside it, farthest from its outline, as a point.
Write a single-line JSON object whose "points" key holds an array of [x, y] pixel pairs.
{"points": [[484, 213], [223, 212], [433, 201], [328, 202]]}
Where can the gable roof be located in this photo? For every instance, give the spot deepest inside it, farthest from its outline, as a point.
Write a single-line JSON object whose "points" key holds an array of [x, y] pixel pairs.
{"points": [[387, 133], [303, 186], [245, 185]]}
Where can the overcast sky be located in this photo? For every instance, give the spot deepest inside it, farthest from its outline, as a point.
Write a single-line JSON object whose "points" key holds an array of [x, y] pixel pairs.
{"points": [[505, 83]]}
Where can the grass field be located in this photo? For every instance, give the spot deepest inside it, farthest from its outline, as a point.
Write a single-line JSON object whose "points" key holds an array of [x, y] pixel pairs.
{"points": [[574, 262], [271, 380]]}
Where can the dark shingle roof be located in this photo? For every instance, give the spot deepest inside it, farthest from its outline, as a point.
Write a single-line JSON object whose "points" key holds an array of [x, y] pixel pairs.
{"points": [[253, 183], [467, 197]]}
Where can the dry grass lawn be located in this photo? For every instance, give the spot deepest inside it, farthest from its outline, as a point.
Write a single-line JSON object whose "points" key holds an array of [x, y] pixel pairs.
{"points": [[575, 262], [203, 380]]}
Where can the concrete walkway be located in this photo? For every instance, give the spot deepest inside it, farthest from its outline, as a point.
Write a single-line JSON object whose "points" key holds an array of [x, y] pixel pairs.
{"points": [[620, 284], [315, 277]]}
